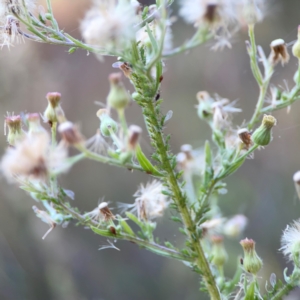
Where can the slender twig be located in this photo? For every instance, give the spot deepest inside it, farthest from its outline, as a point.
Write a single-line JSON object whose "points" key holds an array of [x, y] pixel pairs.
{"points": [[262, 81], [201, 36], [151, 246], [104, 159]]}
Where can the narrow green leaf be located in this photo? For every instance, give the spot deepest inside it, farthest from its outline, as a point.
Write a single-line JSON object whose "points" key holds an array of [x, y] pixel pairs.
{"points": [[145, 163], [126, 228], [103, 232]]}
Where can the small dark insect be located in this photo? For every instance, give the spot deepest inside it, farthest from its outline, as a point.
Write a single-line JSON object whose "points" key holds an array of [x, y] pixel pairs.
{"points": [[113, 230], [241, 261], [161, 78], [157, 96]]}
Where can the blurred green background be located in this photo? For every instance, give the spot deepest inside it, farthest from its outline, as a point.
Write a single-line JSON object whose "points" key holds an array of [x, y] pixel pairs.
{"points": [[68, 265]]}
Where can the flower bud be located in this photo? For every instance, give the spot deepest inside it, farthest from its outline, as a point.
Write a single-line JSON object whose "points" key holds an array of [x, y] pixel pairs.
{"points": [[134, 134], [263, 134], [70, 133], [296, 179], [296, 47], [107, 125], [218, 251], [118, 98], [251, 262], [15, 132], [34, 124], [53, 109], [279, 52]]}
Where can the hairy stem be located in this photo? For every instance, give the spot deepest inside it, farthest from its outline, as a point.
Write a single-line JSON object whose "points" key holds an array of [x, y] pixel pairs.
{"points": [[180, 200]]}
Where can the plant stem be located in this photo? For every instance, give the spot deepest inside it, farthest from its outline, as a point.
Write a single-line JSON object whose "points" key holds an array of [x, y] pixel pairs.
{"points": [[283, 291], [200, 37], [263, 82], [53, 177], [180, 200], [151, 246], [253, 56], [53, 21], [104, 159]]}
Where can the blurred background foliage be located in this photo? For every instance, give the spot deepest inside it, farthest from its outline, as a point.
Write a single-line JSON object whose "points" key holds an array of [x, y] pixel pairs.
{"points": [[68, 265]]}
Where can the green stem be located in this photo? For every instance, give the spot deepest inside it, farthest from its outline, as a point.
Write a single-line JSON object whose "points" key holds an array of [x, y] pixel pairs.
{"points": [[53, 177], [283, 291], [180, 200], [53, 21], [123, 122], [200, 37], [104, 159], [253, 56], [259, 105], [151, 246], [263, 82]]}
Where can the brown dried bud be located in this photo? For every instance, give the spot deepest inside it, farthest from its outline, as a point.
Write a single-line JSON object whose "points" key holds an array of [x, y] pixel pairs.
{"points": [[70, 133], [279, 52], [245, 137], [211, 14], [134, 134], [106, 212]]}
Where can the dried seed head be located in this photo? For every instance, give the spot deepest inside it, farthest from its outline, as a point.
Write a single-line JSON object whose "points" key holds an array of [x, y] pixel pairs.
{"points": [[70, 133], [279, 52], [150, 203], [106, 212], [250, 12], [251, 262], [245, 137], [110, 24], [290, 242], [101, 213], [33, 158]]}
